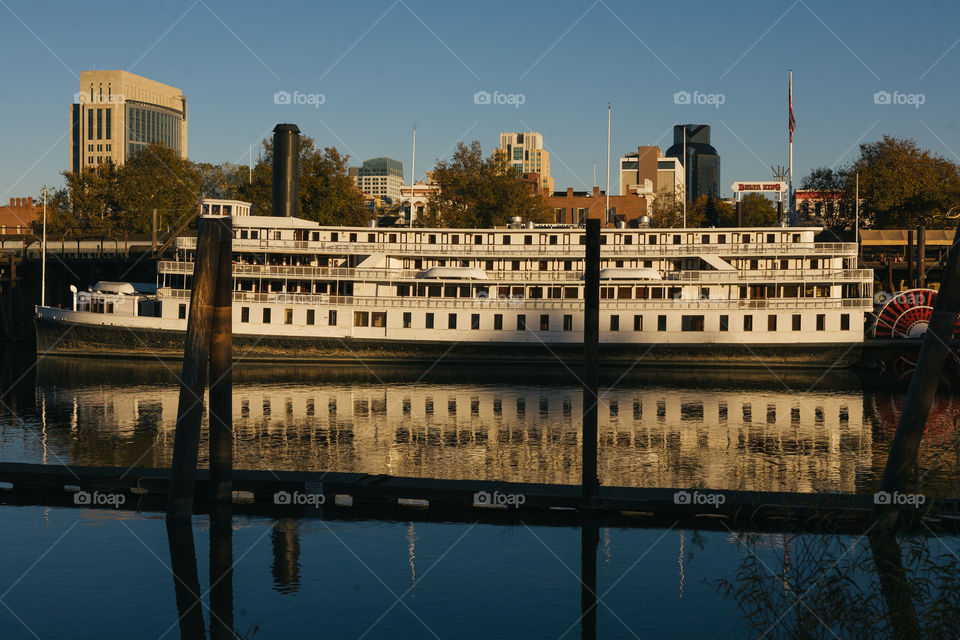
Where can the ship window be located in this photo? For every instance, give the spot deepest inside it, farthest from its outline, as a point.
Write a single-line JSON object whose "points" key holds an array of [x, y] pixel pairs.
{"points": [[182, 312], [748, 323], [628, 239], [661, 323], [244, 234], [474, 320], [705, 239], [353, 237], [429, 323], [570, 293], [603, 239], [724, 323], [821, 321], [315, 236], [568, 322], [845, 322], [266, 315], [638, 323], [244, 314], [109, 307], [478, 239], [676, 239], [371, 237], [361, 319], [722, 238], [772, 322], [403, 290], [288, 316], [332, 317], [334, 236], [521, 322], [527, 239], [392, 237], [378, 319], [553, 239], [652, 239], [746, 237], [542, 265], [568, 265], [624, 293], [614, 323], [796, 237], [311, 316], [691, 323], [407, 319], [544, 322], [432, 239], [455, 239], [506, 239], [515, 265], [451, 321], [754, 264], [497, 321], [796, 322], [771, 237]]}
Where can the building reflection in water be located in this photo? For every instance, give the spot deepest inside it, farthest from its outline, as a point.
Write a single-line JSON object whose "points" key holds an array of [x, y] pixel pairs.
{"points": [[285, 538]]}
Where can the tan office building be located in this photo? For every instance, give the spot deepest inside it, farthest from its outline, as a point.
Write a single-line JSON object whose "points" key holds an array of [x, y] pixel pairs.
{"points": [[117, 113], [525, 153]]}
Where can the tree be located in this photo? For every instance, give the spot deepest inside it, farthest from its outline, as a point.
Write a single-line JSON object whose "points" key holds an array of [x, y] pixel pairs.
{"points": [[326, 193], [835, 215], [758, 210], [478, 192], [156, 177], [667, 209], [89, 204], [222, 181], [902, 186]]}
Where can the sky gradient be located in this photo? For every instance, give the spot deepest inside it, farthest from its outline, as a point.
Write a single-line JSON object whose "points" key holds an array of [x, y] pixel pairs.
{"points": [[384, 67]]}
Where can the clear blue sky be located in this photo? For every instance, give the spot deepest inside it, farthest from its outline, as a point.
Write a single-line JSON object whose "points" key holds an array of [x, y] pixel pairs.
{"points": [[385, 66]]}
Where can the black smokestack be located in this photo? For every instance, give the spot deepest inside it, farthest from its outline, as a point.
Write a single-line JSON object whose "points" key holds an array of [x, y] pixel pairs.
{"points": [[286, 167]]}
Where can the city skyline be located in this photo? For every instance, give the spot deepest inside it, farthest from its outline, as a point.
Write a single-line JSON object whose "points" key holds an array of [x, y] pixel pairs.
{"points": [[850, 86]]}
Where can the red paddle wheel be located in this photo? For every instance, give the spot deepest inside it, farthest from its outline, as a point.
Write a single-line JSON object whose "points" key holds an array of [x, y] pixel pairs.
{"points": [[907, 315], [941, 424]]}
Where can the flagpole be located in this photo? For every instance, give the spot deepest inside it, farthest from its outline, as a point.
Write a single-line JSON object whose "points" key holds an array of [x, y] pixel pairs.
{"points": [[684, 176], [790, 98], [606, 212]]}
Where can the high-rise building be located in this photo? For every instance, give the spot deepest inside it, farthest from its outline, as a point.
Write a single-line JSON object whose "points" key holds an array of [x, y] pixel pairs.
{"points": [[525, 153], [381, 178], [702, 162], [117, 113]]}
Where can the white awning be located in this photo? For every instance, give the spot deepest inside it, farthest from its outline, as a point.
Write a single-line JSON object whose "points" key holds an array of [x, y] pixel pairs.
{"points": [[630, 274]]}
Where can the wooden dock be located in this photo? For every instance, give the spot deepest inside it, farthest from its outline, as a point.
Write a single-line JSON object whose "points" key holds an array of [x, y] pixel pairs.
{"points": [[357, 495]]}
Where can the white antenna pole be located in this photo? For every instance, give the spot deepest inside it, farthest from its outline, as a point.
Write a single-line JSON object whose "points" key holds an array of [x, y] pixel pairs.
{"points": [[43, 266], [684, 176], [413, 172], [856, 209], [606, 211], [790, 196], [250, 179]]}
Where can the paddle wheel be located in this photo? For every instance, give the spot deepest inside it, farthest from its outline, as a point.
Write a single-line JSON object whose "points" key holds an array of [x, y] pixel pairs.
{"points": [[907, 315]]}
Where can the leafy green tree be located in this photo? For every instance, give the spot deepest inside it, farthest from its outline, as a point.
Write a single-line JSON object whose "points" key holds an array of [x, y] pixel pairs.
{"points": [[89, 205], [156, 177], [758, 210], [902, 186], [222, 181], [667, 209], [478, 192], [327, 193]]}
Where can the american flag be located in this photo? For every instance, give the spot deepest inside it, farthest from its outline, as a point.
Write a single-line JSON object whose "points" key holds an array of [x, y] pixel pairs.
{"points": [[793, 122]]}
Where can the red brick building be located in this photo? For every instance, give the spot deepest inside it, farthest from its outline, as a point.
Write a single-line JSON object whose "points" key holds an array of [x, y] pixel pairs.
{"points": [[16, 218], [574, 207]]}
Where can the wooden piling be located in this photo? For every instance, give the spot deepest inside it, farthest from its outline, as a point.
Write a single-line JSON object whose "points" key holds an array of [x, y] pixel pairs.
{"points": [[196, 353], [921, 250], [902, 457], [591, 363], [186, 581], [221, 367], [221, 572], [910, 281], [589, 540], [739, 213]]}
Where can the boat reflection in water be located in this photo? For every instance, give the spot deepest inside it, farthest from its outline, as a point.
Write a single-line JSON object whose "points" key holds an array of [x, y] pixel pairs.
{"points": [[746, 431]]}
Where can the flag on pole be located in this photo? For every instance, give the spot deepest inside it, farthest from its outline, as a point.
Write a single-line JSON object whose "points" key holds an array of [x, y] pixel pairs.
{"points": [[793, 122]]}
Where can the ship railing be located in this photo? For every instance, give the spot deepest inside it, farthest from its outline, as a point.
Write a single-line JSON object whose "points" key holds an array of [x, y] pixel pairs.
{"points": [[565, 250], [479, 302]]}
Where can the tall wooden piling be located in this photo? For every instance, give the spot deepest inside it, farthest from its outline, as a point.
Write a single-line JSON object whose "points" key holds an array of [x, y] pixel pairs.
{"points": [[910, 281], [739, 213], [221, 377], [186, 581], [186, 444], [921, 251], [902, 457], [591, 363]]}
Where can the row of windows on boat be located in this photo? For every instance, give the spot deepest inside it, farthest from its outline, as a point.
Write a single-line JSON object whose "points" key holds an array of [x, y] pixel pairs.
{"points": [[693, 322], [619, 238], [691, 411]]}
